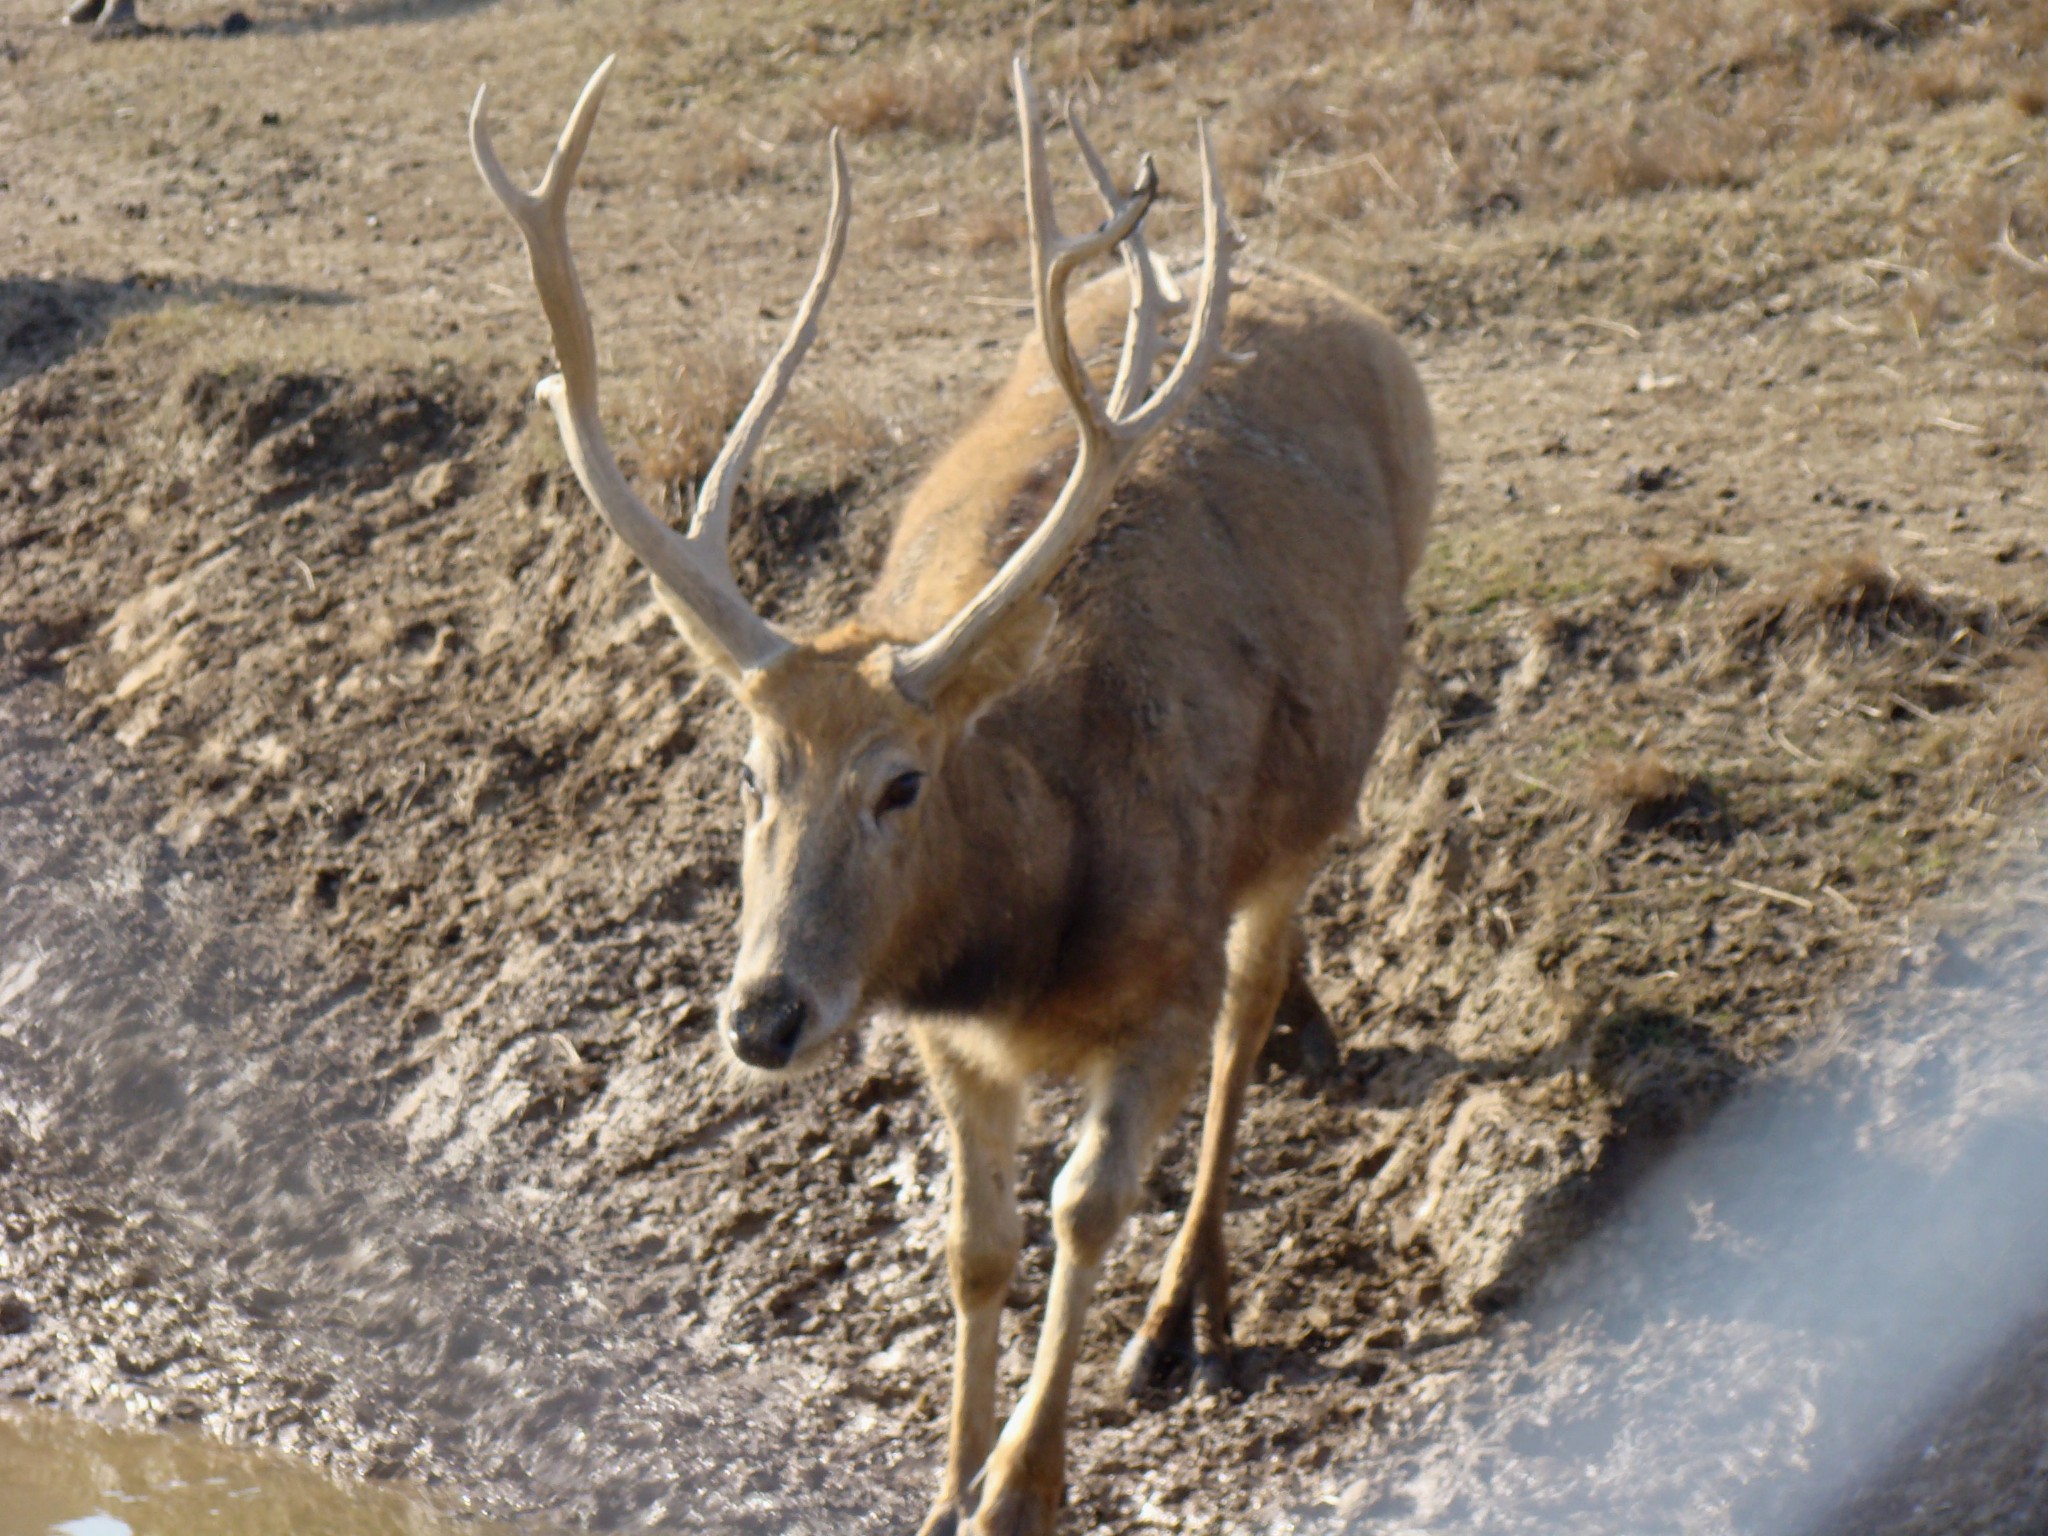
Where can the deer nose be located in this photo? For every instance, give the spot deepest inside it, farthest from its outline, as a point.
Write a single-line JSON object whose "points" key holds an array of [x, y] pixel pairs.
{"points": [[766, 1024]]}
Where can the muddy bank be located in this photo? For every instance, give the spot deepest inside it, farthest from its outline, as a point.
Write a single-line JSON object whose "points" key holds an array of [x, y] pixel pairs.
{"points": [[209, 1223], [212, 1224], [1822, 1314], [372, 878], [370, 845]]}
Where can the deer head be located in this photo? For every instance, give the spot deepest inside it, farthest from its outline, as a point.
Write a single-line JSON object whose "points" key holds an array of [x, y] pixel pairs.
{"points": [[857, 816]]}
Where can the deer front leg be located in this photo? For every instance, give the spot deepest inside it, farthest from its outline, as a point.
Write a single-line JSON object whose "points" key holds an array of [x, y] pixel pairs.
{"points": [[983, 1236], [1092, 1196]]}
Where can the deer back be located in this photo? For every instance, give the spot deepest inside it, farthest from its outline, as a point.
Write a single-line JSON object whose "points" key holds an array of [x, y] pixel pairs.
{"points": [[1228, 638]]}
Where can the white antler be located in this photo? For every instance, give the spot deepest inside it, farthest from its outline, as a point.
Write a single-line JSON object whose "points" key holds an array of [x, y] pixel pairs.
{"points": [[1112, 433], [1154, 294], [696, 570]]}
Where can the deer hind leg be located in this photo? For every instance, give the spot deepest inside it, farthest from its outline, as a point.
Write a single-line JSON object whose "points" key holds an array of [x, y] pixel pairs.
{"points": [[1093, 1194], [983, 1236], [1191, 1306]]}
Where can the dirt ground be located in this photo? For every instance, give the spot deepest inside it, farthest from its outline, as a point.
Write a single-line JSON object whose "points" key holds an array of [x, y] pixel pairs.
{"points": [[370, 847]]}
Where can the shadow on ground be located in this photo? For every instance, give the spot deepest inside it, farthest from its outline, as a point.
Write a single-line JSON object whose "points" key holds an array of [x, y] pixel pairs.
{"points": [[386, 13], [231, 21], [43, 320]]}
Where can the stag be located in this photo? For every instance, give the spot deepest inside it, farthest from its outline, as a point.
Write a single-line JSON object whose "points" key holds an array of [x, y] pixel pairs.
{"points": [[1052, 798], [107, 15]]}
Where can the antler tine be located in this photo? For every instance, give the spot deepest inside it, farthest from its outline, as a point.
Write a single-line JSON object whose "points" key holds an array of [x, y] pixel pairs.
{"points": [[1153, 297], [1205, 332], [714, 499], [541, 215], [1055, 256], [1108, 438], [694, 573]]}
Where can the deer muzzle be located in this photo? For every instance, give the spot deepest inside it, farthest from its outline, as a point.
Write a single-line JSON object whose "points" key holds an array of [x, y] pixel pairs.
{"points": [[765, 1022]]}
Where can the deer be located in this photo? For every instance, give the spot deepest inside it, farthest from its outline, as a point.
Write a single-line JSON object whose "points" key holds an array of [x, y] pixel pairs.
{"points": [[1049, 801], [106, 15]]}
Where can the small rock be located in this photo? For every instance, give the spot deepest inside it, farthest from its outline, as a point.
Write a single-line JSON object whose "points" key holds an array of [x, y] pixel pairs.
{"points": [[16, 1316], [1497, 1191], [31, 641], [439, 483], [1643, 480], [235, 23]]}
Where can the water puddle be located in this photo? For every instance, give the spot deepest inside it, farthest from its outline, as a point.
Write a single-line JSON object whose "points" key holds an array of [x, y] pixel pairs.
{"points": [[62, 1477]]}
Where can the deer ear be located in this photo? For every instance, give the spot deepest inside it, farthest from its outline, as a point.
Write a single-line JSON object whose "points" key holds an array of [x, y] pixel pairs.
{"points": [[712, 657], [998, 664]]}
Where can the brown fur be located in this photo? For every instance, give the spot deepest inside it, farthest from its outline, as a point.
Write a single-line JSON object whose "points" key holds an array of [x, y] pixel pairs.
{"points": [[1120, 808], [1061, 833]]}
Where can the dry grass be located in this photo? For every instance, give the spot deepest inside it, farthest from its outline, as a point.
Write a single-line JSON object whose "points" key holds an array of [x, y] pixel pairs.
{"points": [[2015, 746], [985, 224], [727, 163], [943, 97], [1466, 112], [1641, 791], [1856, 597], [922, 228], [1963, 247], [835, 439], [1887, 24], [825, 438], [994, 225], [1103, 40], [1921, 306], [696, 409], [1950, 81], [1668, 572], [1680, 147], [1152, 30]]}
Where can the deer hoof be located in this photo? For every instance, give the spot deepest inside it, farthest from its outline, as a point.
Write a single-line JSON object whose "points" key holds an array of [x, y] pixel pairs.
{"points": [[1148, 1364], [1013, 1512], [1212, 1373], [944, 1520]]}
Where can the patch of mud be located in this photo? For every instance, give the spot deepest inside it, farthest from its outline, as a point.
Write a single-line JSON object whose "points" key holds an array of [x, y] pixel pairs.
{"points": [[1808, 1318], [210, 1221], [355, 639], [325, 624]]}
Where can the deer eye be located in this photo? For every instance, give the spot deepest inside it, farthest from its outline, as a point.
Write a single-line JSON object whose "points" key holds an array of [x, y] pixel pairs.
{"points": [[899, 793]]}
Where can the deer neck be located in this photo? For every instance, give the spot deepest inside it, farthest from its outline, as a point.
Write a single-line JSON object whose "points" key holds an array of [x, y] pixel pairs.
{"points": [[986, 942]]}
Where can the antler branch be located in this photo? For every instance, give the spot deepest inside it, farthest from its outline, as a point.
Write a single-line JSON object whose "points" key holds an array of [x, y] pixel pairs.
{"points": [[714, 497], [695, 570], [1154, 294], [1111, 433]]}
